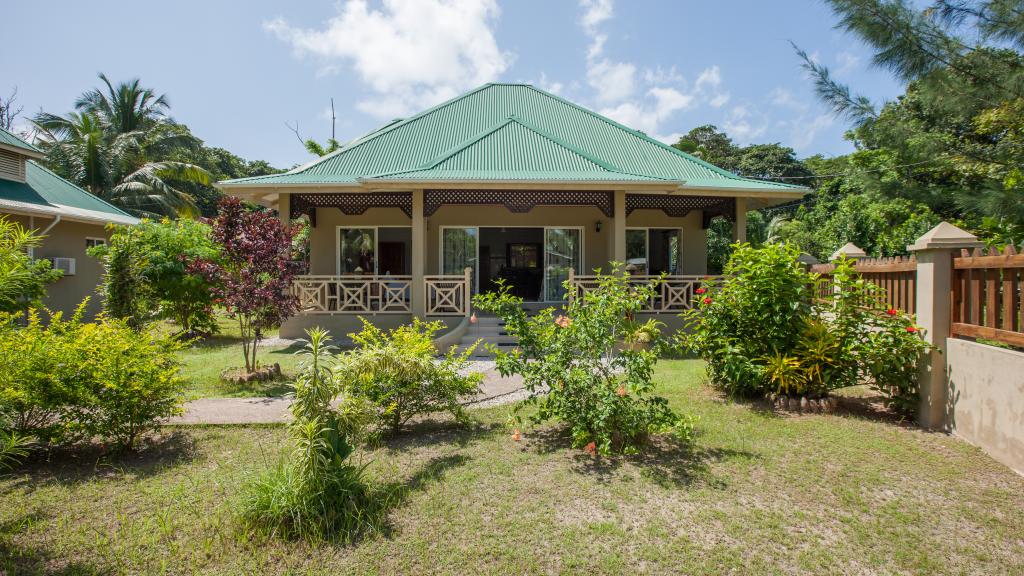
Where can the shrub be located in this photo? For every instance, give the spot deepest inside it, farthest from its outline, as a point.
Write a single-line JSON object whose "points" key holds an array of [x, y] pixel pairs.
{"points": [[22, 280], [400, 373], [68, 381], [577, 371], [761, 331], [147, 270], [317, 492]]}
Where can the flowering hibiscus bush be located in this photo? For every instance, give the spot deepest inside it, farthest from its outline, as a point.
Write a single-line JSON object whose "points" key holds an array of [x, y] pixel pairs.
{"points": [[762, 332], [577, 370]]}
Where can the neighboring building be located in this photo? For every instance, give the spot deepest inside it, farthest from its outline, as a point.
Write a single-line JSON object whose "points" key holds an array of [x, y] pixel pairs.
{"points": [[512, 183], [69, 218]]}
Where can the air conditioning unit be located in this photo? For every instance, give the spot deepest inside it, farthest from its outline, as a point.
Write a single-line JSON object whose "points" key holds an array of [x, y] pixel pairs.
{"points": [[66, 265]]}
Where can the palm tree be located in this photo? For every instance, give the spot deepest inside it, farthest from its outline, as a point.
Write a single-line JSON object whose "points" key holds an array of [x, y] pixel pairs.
{"points": [[112, 146]]}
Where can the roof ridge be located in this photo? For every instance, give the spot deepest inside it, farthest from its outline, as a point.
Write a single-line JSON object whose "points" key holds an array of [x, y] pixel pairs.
{"points": [[77, 187], [642, 136], [25, 143]]}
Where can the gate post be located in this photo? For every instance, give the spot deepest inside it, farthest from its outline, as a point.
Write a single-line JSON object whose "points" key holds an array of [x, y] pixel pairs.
{"points": [[935, 251]]}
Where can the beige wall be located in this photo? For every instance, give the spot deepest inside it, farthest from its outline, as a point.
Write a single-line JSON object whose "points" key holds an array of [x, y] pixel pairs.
{"points": [[986, 390], [67, 239], [596, 245]]}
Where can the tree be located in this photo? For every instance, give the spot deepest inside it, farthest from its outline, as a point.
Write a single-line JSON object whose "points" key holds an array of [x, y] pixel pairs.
{"points": [[115, 145], [252, 278], [710, 145], [164, 250], [22, 280], [10, 110], [952, 141]]}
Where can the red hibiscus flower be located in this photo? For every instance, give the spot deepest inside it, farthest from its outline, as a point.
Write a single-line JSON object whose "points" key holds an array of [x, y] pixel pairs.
{"points": [[911, 329], [591, 449], [707, 300], [892, 311], [700, 290]]}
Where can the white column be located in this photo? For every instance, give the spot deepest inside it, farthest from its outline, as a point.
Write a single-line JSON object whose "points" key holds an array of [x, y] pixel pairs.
{"points": [[935, 251], [284, 207], [739, 225], [419, 248]]}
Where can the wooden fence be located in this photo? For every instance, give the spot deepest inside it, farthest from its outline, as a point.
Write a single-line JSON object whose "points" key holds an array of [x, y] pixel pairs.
{"points": [[895, 276], [987, 300]]}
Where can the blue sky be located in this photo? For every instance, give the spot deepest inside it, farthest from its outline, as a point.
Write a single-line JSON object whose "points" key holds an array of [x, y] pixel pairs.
{"points": [[237, 75]]}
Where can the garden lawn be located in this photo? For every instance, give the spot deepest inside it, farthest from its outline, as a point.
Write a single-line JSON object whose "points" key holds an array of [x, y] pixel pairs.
{"points": [[204, 360], [758, 493]]}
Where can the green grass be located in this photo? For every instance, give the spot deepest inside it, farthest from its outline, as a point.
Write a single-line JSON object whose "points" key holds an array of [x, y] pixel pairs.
{"points": [[848, 493], [204, 360]]}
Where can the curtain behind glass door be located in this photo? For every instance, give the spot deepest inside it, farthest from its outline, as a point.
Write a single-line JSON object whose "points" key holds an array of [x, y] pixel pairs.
{"points": [[562, 251], [458, 251]]}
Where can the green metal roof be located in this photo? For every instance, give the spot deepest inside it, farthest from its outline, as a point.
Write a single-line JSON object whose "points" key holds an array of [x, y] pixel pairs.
{"points": [[44, 191], [10, 139], [508, 132]]}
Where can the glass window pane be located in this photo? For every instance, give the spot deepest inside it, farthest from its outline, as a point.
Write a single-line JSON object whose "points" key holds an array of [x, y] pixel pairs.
{"points": [[636, 252], [562, 251], [358, 250], [664, 251], [458, 251]]}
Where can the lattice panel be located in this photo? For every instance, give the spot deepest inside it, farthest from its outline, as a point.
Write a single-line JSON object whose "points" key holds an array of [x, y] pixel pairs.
{"points": [[520, 201], [678, 205], [352, 204]]}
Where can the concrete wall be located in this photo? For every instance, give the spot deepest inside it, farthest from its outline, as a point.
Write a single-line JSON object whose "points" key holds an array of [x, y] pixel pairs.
{"points": [[596, 245], [986, 392], [67, 239]]}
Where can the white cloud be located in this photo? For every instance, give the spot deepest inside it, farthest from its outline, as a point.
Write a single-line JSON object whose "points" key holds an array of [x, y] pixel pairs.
{"points": [[550, 86], [847, 62], [647, 115], [744, 124], [614, 81], [804, 131], [661, 76], [412, 53], [595, 12]]}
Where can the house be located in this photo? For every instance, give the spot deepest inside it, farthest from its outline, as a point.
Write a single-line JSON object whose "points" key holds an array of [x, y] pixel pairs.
{"points": [[69, 219], [506, 182]]}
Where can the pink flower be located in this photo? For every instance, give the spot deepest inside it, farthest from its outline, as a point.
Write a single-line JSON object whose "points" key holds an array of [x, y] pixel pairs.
{"points": [[516, 436], [621, 391], [472, 319], [563, 321]]}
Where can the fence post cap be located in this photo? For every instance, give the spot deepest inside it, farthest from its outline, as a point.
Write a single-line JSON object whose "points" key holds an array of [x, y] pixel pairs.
{"points": [[945, 236], [850, 250]]}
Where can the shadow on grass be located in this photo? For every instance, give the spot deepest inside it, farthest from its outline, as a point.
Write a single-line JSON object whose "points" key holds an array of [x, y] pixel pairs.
{"points": [[666, 460], [438, 429], [83, 463], [396, 494], [24, 559]]}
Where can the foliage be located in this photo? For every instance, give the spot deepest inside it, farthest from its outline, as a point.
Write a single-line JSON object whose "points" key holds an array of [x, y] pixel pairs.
{"points": [[576, 370], [22, 280], [13, 447], [317, 492], [761, 161], [318, 149], [952, 141], [761, 331], [147, 271], [399, 372], [252, 276], [115, 145], [67, 380]]}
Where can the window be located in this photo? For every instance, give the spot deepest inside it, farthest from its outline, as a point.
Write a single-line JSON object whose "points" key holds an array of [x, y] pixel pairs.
{"points": [[652, 251], [357, 251], [94, 242]]}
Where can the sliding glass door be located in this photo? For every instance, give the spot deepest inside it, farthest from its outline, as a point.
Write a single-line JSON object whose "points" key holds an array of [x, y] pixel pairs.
{"points": [[459, 247], [357, 251], [563, 249], [653, 251]]}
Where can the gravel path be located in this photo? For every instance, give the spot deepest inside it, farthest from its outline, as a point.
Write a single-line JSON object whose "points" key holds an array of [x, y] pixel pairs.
{"points": [[496, 390]]}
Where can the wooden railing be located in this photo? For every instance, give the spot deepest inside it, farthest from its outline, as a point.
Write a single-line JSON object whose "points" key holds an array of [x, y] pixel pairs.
{"points": [[987, 299], [896, 277], [673, 294], [448, 295], [353, 294]]}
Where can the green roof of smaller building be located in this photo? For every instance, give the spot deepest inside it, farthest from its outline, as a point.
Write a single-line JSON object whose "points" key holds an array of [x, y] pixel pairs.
{"points": [[12, 140], [49, 193]]}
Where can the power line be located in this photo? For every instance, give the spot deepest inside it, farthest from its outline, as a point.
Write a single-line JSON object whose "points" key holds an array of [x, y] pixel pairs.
{"points": [[858, 171]]}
